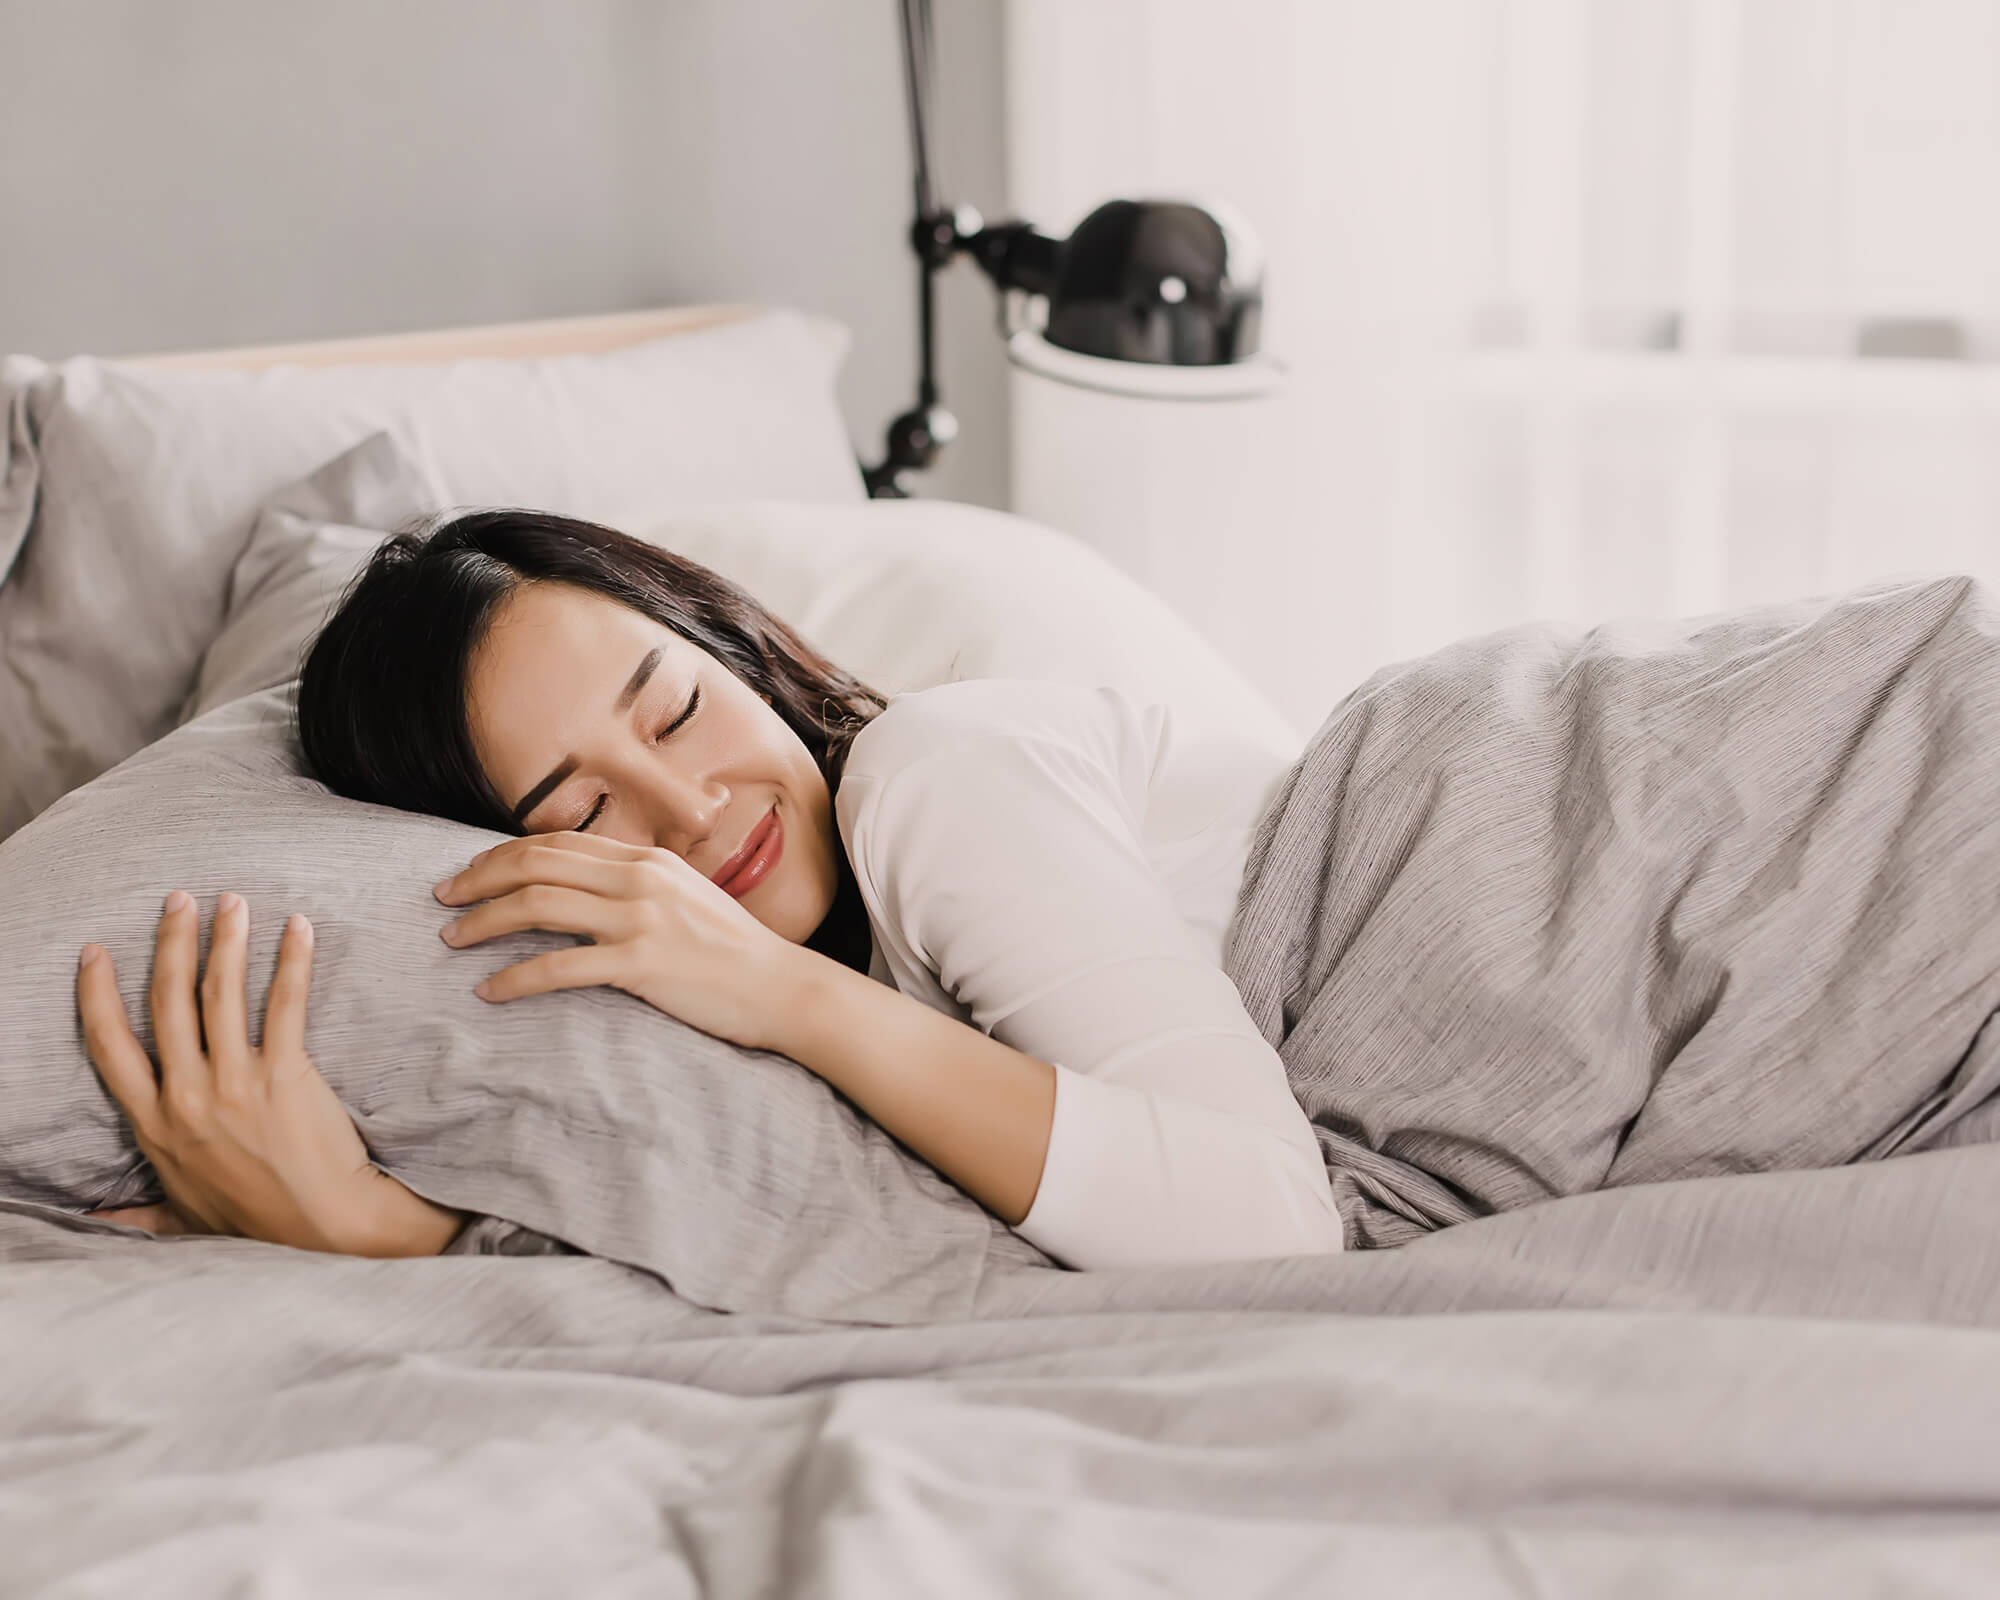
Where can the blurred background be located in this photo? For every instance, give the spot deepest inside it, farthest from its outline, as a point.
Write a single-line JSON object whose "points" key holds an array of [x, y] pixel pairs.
{"points": [[1590, 307]]}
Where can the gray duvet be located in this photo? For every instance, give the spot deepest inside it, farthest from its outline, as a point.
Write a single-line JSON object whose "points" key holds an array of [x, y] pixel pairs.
{"points": [[1552, 911], [1728, 941], [1785, 1384]]}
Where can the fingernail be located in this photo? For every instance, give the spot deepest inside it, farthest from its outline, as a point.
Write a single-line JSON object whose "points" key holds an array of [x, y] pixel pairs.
{"points": [[297, 924], [448, 932], [482, 989], [89, 954], [443, 884], [177, 901], [227, 903]]}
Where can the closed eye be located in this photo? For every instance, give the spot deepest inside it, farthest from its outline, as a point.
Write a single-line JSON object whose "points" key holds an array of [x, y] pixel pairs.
{"points": [[693, 705]]}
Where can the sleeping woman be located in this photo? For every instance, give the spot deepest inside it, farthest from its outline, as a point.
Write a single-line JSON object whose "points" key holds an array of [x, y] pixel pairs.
{"points": [[992, 914]]}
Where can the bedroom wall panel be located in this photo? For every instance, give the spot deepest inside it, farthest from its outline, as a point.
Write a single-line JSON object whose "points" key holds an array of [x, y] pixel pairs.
{"points": [[1592, 308], [189, 175]]}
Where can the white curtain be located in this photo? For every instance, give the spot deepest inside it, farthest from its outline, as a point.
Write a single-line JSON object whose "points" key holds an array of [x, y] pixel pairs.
{"points": [[1592, 308]]}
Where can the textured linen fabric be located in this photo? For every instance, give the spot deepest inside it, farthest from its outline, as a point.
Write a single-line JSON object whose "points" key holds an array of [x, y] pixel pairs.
{"points": [[1554, 910], [1781, 1383], [308, 543], [585, 1115], [1055, 865], [127, 495]]}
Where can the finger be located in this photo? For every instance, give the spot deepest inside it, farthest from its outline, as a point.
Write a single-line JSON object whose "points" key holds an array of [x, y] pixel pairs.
{"points": [[153, 1219], [546, 906], [176, 1023], [222, 1014], [581, 966], [285, 1010], [500, 865], [114, 1049]]}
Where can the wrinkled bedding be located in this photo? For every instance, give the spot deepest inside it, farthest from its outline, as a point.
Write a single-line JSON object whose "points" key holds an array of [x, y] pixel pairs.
{"points": [[1786, 1383], [1661, 1322], [1554, 910]]}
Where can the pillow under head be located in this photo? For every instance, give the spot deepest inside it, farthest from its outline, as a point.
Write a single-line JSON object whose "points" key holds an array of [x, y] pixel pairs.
{"points": [[913, 593], [737, 1175]]}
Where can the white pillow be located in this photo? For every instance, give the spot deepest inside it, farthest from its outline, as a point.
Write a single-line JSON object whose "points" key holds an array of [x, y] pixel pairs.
{"points": [[906, 594], [127, 494]]}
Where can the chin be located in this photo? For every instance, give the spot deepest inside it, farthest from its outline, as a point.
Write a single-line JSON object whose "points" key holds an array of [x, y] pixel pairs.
{"points": [[788, 916]]}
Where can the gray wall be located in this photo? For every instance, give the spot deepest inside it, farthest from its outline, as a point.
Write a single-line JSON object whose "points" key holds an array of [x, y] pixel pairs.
{"points": [[194, 173]]}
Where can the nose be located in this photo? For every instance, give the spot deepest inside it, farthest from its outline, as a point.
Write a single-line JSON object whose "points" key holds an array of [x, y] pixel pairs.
{"points": [[685, 808]]}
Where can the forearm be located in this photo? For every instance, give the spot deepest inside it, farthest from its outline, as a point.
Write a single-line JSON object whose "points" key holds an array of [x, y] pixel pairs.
{"points": [[977, 1110]]}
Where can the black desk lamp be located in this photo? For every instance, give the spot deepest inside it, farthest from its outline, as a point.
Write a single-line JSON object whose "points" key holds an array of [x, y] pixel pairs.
{"points": [[1157, 299]]}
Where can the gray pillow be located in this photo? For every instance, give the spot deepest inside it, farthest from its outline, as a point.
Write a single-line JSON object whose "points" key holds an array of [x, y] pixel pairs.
{"points": [[127, 492], [307, 543], [737, 1175]]}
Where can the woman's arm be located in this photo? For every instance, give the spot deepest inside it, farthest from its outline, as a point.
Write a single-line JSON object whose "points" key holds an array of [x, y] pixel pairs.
{"points": [[387, 1218], [976, 1109], [982, 1113], [995, 831]]}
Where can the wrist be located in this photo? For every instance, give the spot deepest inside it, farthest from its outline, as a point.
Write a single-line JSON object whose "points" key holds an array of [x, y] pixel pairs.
{"points": [[800, 991], [391, 1219]]}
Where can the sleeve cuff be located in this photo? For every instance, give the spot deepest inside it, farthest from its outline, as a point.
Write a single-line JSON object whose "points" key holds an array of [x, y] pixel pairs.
{"points": [[1137, 1179]]}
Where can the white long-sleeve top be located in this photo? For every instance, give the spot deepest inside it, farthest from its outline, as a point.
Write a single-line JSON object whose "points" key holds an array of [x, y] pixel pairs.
{"points": [[1054, 866]]}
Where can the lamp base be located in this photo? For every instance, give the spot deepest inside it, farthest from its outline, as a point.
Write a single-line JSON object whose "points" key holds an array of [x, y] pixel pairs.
{"points": [[1254, 379], [912, 445], [882, 481]]}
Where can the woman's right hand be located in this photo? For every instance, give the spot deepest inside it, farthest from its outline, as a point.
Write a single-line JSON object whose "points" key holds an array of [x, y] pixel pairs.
{"points": [[246, 1139]]}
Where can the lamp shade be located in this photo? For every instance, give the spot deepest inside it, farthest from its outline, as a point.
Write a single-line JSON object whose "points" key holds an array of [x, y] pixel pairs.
{"points": [[1158, 298], [1157, 280]]}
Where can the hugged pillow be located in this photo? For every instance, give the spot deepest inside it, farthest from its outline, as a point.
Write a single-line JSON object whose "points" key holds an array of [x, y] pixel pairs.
{"points": [[584, 1115], [307, 544], [127, 494], [739, 1176]]}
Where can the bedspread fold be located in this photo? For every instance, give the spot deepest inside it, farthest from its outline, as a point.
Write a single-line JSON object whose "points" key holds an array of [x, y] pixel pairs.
{"points": [[1556, 910]]}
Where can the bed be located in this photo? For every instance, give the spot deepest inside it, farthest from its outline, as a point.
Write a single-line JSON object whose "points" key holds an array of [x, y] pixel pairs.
{"points": [[1763, 1382]]}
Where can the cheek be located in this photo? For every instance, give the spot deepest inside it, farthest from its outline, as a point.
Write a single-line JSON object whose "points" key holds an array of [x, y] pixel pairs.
{"points": [[814, 793]]}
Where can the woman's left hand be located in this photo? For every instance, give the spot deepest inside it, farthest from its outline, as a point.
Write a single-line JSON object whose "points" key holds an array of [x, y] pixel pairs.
{"points": [[658, 930]]}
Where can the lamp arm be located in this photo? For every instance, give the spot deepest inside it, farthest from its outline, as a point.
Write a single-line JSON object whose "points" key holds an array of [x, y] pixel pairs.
{"points": [[917, 75], [1015, 256], [1012, 254], [915, 437]]}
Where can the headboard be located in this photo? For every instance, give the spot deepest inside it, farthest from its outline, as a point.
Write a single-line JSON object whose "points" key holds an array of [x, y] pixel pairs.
{"points": [[556, 337]]}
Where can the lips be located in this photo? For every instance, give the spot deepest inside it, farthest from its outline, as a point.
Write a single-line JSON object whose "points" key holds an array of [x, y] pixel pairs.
{"points": [[748, 848]]}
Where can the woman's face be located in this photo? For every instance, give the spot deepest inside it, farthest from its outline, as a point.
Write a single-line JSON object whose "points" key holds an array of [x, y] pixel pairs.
{"points": [[579, 714]]}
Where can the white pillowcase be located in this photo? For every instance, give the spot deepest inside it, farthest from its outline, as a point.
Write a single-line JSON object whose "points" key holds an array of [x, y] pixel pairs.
{"points": [[905, 594], [127, 494], [910, 593]]}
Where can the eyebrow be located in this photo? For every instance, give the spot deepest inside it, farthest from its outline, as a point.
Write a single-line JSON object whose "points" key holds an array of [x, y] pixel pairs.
{"points": [[626, 696]]}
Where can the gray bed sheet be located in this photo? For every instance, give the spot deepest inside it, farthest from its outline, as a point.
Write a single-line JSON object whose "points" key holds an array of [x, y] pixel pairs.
{"points": [[1782, 1383], [1775, 1381]]}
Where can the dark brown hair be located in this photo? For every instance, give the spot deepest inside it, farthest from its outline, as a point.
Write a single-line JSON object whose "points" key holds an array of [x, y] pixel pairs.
{"points": [[382, 712]]}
